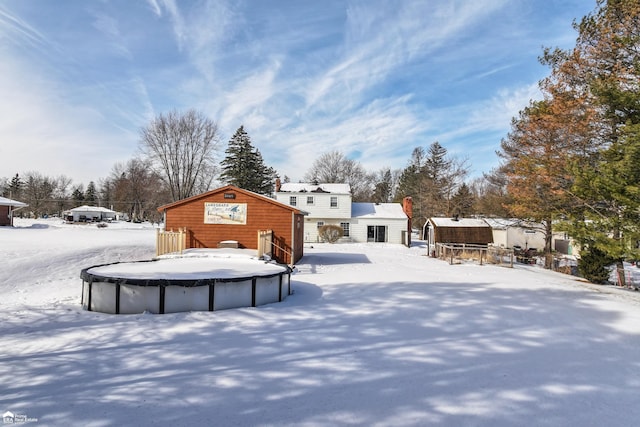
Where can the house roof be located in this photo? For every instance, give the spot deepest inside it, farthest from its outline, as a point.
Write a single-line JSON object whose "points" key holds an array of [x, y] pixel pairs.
{"points": [[460, 222], [506, 223], [86, 208], [230, 188], [14, 203], [301, 187], [377, 210]]}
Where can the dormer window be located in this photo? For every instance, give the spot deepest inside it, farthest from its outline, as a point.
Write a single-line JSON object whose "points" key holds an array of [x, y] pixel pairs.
{"points": [[310, 200], [334, 202], [293, 201]]}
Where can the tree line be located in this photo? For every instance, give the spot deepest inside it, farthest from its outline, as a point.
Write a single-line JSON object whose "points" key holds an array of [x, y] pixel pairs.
{"points": [[572, 159], [180, 157]]}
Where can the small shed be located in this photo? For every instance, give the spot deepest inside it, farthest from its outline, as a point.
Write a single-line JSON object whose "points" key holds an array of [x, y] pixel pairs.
{"points": [[231, 214], [455, 230], [512, 233], [7, 207], [89, 213]]}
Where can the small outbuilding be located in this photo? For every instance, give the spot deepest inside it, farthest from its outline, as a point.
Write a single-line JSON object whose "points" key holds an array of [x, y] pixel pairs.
{"points": [[233, 216], [515, 233], [458, 231], [7, 207]]}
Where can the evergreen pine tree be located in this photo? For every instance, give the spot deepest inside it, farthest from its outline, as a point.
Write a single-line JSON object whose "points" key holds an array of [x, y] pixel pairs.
{"points": [[594, 265], [463, 201], [383, 188], [78, 194], [14, 189], [90, 195], [244, 166]]}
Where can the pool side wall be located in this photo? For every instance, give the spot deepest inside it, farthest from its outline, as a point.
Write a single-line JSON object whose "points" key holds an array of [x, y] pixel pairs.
{"points": [[117, 297]]}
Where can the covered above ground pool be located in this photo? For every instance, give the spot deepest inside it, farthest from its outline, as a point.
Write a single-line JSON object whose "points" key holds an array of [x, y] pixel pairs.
{"points": [[197, 280]]}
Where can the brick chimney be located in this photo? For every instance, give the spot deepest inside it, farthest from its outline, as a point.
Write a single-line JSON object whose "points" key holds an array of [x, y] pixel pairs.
{"points": [[278, 185], [407, 207]]}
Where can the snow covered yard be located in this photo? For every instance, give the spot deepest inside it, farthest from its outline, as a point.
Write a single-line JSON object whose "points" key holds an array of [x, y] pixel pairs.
{"points": [[375, 335]]}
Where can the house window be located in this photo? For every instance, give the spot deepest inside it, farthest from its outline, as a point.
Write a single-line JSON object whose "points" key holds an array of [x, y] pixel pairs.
{"points": [[309, 200], [293, 200], [320, 224], [345, 229], [334, 201]]}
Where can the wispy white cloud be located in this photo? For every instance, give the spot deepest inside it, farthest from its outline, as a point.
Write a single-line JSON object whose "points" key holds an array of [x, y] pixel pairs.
{"points": [[380, 41], [155, 7], [18, 31], [108, 25], [42, 134], [371, 78], [250, 93]]}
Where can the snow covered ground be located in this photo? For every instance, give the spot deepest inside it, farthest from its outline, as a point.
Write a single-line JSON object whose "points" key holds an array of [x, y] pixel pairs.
{"points": [[374, 335]]}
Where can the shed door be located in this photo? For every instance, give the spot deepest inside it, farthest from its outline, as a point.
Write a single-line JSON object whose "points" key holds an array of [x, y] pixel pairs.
{"points": [[376, 233]]}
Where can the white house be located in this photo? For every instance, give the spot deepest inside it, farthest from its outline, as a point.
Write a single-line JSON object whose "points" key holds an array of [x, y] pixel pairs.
{"points": [[89, 213], [332, 204]]}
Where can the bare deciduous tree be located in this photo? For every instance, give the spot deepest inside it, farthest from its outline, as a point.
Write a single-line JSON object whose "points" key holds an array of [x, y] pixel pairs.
{"points": [[136, 189], [38, 193], [183, 147], [334, 167]]}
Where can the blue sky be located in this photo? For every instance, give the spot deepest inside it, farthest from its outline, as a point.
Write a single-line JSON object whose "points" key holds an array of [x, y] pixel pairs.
{"points": [[373, 79]]}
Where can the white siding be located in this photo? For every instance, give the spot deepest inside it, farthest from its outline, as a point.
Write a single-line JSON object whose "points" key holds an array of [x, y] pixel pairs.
{"points": [[321, 207], [395, 228], [500, 238], [311, 227], [525, 238]]}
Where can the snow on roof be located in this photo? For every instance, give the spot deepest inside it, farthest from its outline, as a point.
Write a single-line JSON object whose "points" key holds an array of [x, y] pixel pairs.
{"points": [[377, 210], [461, 222], [504, 223], [8, 202], [306, 187], [86, 208], [500, 223]]}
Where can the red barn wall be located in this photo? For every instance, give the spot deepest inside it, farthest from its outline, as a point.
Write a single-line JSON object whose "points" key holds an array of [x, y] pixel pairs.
{"points": [[4, 215], [261, 215]]}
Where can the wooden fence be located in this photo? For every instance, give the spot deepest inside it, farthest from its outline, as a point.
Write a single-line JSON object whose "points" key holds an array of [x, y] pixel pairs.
{"points": [[265, 243], [456, 253], [171, 241]]}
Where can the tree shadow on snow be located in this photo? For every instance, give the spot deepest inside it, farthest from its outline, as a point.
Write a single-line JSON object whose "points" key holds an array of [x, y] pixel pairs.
{"points": [[404, 353]]}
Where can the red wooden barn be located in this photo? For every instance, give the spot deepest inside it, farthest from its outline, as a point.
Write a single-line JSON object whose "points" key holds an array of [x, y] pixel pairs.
{"points": [[232, 214]]}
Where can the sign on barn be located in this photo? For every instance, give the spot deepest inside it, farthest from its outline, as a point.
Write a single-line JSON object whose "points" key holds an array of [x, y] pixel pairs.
{"points": [[225, 213]]}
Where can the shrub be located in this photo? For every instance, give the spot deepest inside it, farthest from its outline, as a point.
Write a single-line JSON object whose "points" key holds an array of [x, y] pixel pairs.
{"points": [[594, 265], [330, 233]]}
